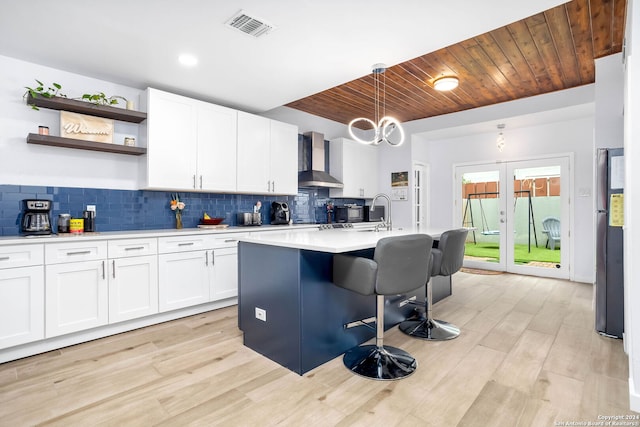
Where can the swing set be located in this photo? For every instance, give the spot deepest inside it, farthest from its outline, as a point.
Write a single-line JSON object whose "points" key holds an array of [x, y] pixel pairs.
{"points": [[486, 231]]}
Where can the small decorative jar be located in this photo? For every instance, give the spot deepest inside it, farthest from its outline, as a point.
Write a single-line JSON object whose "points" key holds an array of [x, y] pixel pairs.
{"points": [[129, 141]]}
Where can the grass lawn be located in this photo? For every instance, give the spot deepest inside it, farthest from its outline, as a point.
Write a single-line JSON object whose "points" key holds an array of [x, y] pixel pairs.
{"points": [[521, 256]]}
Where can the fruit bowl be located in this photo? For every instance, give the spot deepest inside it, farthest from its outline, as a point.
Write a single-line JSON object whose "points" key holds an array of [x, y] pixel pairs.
{"points": [[211, 221]]}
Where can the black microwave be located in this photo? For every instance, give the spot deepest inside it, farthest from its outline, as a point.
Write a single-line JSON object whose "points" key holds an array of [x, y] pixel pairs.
{"points": [[349, 213]]}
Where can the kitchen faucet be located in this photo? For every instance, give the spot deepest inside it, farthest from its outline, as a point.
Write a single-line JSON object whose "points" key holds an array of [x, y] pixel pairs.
{"points": [[388, 222]]}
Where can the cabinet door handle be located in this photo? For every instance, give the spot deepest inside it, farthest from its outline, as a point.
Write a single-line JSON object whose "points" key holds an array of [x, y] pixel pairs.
{"points": [[213, 258], [206, 259], [200, 181], [5, 258], [79, 253], [194, 181], [135, 248], [103, 275], [186, 244], [268, 186], [113, 270], [273, 186]]}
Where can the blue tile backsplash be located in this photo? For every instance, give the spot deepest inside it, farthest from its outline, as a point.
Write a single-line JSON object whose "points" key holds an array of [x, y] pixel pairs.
{"points": [[118, 210]]}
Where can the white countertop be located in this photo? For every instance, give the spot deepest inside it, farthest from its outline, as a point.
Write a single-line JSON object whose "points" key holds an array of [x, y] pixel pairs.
{"points": [[133, 234], [332, 241]]}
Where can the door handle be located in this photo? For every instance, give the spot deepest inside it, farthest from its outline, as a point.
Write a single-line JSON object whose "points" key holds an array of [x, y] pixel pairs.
{"points": [[502, 220]]}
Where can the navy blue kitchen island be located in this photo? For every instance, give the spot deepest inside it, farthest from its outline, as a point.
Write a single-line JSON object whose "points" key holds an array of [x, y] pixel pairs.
{"points": [[288, 307]]}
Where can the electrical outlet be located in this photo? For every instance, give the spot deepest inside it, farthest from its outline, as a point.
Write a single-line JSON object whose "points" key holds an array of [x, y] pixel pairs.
{"points": [[261, 314], [91, 208]]}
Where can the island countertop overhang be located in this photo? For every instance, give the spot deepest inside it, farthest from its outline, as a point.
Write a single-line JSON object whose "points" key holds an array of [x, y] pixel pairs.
{"points": [[331, 241]]}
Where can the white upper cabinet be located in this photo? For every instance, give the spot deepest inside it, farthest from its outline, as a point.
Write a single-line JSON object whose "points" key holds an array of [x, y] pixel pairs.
{"points": [[284, 158], [356, 165], [216, 159], [171, 141], [254, 136], [196, 146], [191, 145], [267, 156]]}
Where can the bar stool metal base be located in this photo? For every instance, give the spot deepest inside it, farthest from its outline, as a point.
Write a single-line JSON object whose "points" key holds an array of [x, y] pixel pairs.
{"points": [[430, 329], [380, 363]]}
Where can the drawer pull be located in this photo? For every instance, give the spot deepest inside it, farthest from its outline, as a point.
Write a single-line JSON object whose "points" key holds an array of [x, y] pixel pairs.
{"points": [[79, 253], [5, 258], [135, 248], [185, 244], [230, 240]]}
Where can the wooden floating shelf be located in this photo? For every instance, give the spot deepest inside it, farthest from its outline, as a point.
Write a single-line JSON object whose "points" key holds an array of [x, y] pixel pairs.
{"points": [[58, 141], [83, 107]]}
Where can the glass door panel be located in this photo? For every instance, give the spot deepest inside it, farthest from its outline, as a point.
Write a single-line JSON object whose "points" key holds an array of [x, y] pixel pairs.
{"points": [[481, 209], [537, 195]]}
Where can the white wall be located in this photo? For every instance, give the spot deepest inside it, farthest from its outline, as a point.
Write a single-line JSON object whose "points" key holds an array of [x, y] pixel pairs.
{"points": [[28, 164], [632, 201], [573, 136]]}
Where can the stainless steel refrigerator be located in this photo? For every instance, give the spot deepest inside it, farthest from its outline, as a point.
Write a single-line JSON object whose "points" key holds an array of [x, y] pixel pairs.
{"points": [[609, 247]]}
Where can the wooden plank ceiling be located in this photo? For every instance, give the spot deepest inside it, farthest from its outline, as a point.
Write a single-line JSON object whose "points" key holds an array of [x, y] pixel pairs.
{"points": [[550, 51]]}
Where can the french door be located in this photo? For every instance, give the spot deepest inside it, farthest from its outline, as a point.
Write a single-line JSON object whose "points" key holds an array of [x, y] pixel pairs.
{"points": [[517, 214]]}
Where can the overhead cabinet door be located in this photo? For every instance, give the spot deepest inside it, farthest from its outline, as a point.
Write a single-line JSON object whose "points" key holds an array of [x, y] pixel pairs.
{"points": [[253, 153], [171, 141], [216, 159]]}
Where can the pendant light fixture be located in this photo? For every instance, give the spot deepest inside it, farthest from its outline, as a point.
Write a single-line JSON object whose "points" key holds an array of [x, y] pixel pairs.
{"points": [[384, 127], [500, 140]]}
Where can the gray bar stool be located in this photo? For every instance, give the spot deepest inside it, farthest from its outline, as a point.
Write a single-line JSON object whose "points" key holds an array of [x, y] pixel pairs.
{"points": [[399, 265], [446, 259]]}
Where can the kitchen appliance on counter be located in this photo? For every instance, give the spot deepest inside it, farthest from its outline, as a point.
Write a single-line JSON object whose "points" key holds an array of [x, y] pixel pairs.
{"points": [[249, 218], [89, 221], [280, 213], [609, 242], [373, 215], [36, 217], [349, 213], [64, 222]]}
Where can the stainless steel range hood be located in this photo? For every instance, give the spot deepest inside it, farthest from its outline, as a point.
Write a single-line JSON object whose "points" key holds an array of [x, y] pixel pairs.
{"points": [[316, 176]]}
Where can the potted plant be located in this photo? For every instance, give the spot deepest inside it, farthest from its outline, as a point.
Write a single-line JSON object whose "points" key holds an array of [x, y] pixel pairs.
{"points": [[49, 92], [100, 98]]}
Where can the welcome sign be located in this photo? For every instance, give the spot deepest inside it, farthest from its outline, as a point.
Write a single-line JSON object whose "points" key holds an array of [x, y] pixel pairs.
{"points": [[87, 128]]}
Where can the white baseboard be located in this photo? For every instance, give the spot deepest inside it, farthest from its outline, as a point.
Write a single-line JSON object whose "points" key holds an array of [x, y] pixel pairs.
{"points": [[634, 396], [55, 343]]}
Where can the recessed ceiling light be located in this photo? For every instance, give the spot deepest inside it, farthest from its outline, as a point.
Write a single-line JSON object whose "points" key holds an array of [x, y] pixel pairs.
{"points": [[188, 60], [445, 83]]}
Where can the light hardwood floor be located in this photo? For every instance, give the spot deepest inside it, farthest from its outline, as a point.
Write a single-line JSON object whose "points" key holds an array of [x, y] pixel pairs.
{"points": [[527, 356]]}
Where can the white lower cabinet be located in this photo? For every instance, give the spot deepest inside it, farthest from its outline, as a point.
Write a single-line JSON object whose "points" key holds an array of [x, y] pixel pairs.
{"points": [[225, 273], [133, 279], [76, 295], [183, 279], [197, 269], [21, 305]]}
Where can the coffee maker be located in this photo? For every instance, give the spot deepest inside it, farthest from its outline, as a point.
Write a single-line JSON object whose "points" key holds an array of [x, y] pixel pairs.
{"points": [[280, 213], [36, 217]]}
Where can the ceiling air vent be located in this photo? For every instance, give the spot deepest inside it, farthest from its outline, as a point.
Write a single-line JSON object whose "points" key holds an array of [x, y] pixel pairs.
{"points": [[255, 27]]}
